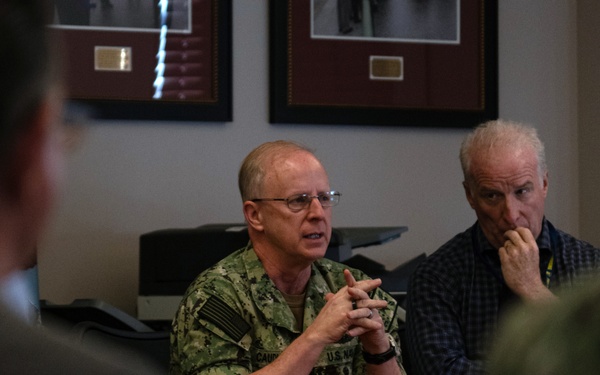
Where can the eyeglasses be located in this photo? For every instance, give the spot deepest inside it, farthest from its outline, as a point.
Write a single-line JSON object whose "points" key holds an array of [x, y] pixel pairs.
{"points": [[299, 202]]}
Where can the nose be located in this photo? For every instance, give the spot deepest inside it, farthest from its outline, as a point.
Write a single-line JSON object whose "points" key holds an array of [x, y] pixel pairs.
{"points": [[315, 208], [511, 211]]}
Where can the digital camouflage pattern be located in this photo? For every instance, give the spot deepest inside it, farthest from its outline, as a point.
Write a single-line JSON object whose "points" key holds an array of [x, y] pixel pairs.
{"points": [[233, 320]]}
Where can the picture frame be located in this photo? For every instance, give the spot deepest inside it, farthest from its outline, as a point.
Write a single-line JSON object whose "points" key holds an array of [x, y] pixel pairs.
{"points": [[176, 69], [321, 73]]}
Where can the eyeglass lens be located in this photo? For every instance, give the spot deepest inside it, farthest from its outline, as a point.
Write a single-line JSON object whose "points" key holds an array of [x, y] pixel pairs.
{"points": [[301, 201]]}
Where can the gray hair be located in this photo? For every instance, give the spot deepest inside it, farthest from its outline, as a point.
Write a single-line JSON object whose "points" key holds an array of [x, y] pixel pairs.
{"points": [[501, 133]]}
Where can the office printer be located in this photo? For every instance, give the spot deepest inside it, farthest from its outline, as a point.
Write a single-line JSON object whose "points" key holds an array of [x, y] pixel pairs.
{"points": [[170, 259]]}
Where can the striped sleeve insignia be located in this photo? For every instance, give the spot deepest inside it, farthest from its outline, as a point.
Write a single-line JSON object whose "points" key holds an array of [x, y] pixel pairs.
{"points": [[221, 315]]}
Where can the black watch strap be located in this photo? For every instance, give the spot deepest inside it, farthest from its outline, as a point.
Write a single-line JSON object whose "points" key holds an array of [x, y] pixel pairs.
{"points": [[377, 359]]}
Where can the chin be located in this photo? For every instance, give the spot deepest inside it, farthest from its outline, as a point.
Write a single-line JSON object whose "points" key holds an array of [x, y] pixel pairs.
{"points": [[317, 254]]}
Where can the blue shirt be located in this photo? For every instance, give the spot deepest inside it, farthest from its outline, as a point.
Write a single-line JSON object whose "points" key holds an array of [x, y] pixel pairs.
{"points": [[456, 295]]}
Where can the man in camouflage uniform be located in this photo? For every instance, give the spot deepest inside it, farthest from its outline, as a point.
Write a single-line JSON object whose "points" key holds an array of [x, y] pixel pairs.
{"points": [[276, 306]]}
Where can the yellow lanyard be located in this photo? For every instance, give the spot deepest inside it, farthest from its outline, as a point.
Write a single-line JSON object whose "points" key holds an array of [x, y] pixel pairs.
{"points": [[549, 272]]}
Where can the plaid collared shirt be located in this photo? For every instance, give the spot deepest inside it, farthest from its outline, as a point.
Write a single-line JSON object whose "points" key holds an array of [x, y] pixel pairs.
{"points": [[456, 295]]}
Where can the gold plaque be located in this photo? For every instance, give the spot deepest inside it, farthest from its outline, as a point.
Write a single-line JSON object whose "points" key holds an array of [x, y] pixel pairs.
{"points": [[115, 59], [386, 68]]}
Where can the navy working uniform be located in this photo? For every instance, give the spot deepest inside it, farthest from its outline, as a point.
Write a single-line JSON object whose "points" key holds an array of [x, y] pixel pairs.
{"points": [[233, 320]]}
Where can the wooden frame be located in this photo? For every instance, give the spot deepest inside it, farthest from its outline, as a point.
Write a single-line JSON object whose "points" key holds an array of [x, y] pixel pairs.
{"points": [[344, 79], [196, 79]]}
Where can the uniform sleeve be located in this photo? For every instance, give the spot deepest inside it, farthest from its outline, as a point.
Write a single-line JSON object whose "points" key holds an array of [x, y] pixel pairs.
{"points": [[391, 321], [207, 337], [433, 331]]}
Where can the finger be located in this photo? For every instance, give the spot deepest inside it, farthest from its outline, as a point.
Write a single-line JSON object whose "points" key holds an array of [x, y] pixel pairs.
{"points": [[367, 285], [358, 313], [509, 253], [503, 254], [369, 304], [508, 246], [357, 294], [350, 280], [525, 234], [512, 237], [362, 313], [519, 236], [519, 241], [364, 325]]}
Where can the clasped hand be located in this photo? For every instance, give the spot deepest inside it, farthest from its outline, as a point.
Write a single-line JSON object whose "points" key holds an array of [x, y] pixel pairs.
{"points": [[351, 312]]}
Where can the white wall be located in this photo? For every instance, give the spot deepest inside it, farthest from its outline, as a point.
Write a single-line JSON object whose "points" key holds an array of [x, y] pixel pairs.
{"points": [[128, 178]]}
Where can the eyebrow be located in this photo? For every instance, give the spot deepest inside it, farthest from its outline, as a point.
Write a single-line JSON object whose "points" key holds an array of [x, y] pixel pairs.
{"points": [[527, 184]]}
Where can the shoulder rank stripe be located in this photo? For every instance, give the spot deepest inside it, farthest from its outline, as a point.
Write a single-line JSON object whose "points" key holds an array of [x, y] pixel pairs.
{"points": [[224, 317]]}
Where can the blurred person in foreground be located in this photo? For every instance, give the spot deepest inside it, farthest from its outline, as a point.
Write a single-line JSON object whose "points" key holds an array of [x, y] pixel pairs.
{"points": [[31, 168], [277, 306], [512, 254], [562, 338]]}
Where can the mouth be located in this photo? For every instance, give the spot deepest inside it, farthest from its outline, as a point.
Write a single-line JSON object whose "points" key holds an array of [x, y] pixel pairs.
{"points": [[313, 236]]}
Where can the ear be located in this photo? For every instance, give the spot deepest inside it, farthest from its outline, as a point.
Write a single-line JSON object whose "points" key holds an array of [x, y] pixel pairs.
{"points": [[469, 194], [253, 216], [545, 184]]}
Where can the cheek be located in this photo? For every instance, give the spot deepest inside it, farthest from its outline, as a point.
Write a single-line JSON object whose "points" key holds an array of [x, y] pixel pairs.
{"points": [[536, 213], [489, 216], [484, 209]]}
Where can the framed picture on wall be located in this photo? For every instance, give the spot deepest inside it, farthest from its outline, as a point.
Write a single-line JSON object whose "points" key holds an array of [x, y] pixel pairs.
{"points": [[384, 62], [148, 60]]}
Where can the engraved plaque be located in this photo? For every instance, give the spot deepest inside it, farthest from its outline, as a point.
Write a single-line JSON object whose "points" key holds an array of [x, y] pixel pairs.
{"points": [[114, 59], [386, 68]]}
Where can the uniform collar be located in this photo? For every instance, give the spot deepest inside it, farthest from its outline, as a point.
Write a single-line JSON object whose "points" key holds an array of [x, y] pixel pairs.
{"points": [[271, 302]]}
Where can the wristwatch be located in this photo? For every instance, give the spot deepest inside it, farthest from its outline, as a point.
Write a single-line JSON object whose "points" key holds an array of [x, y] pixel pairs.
{"points": [[377, 359]]}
